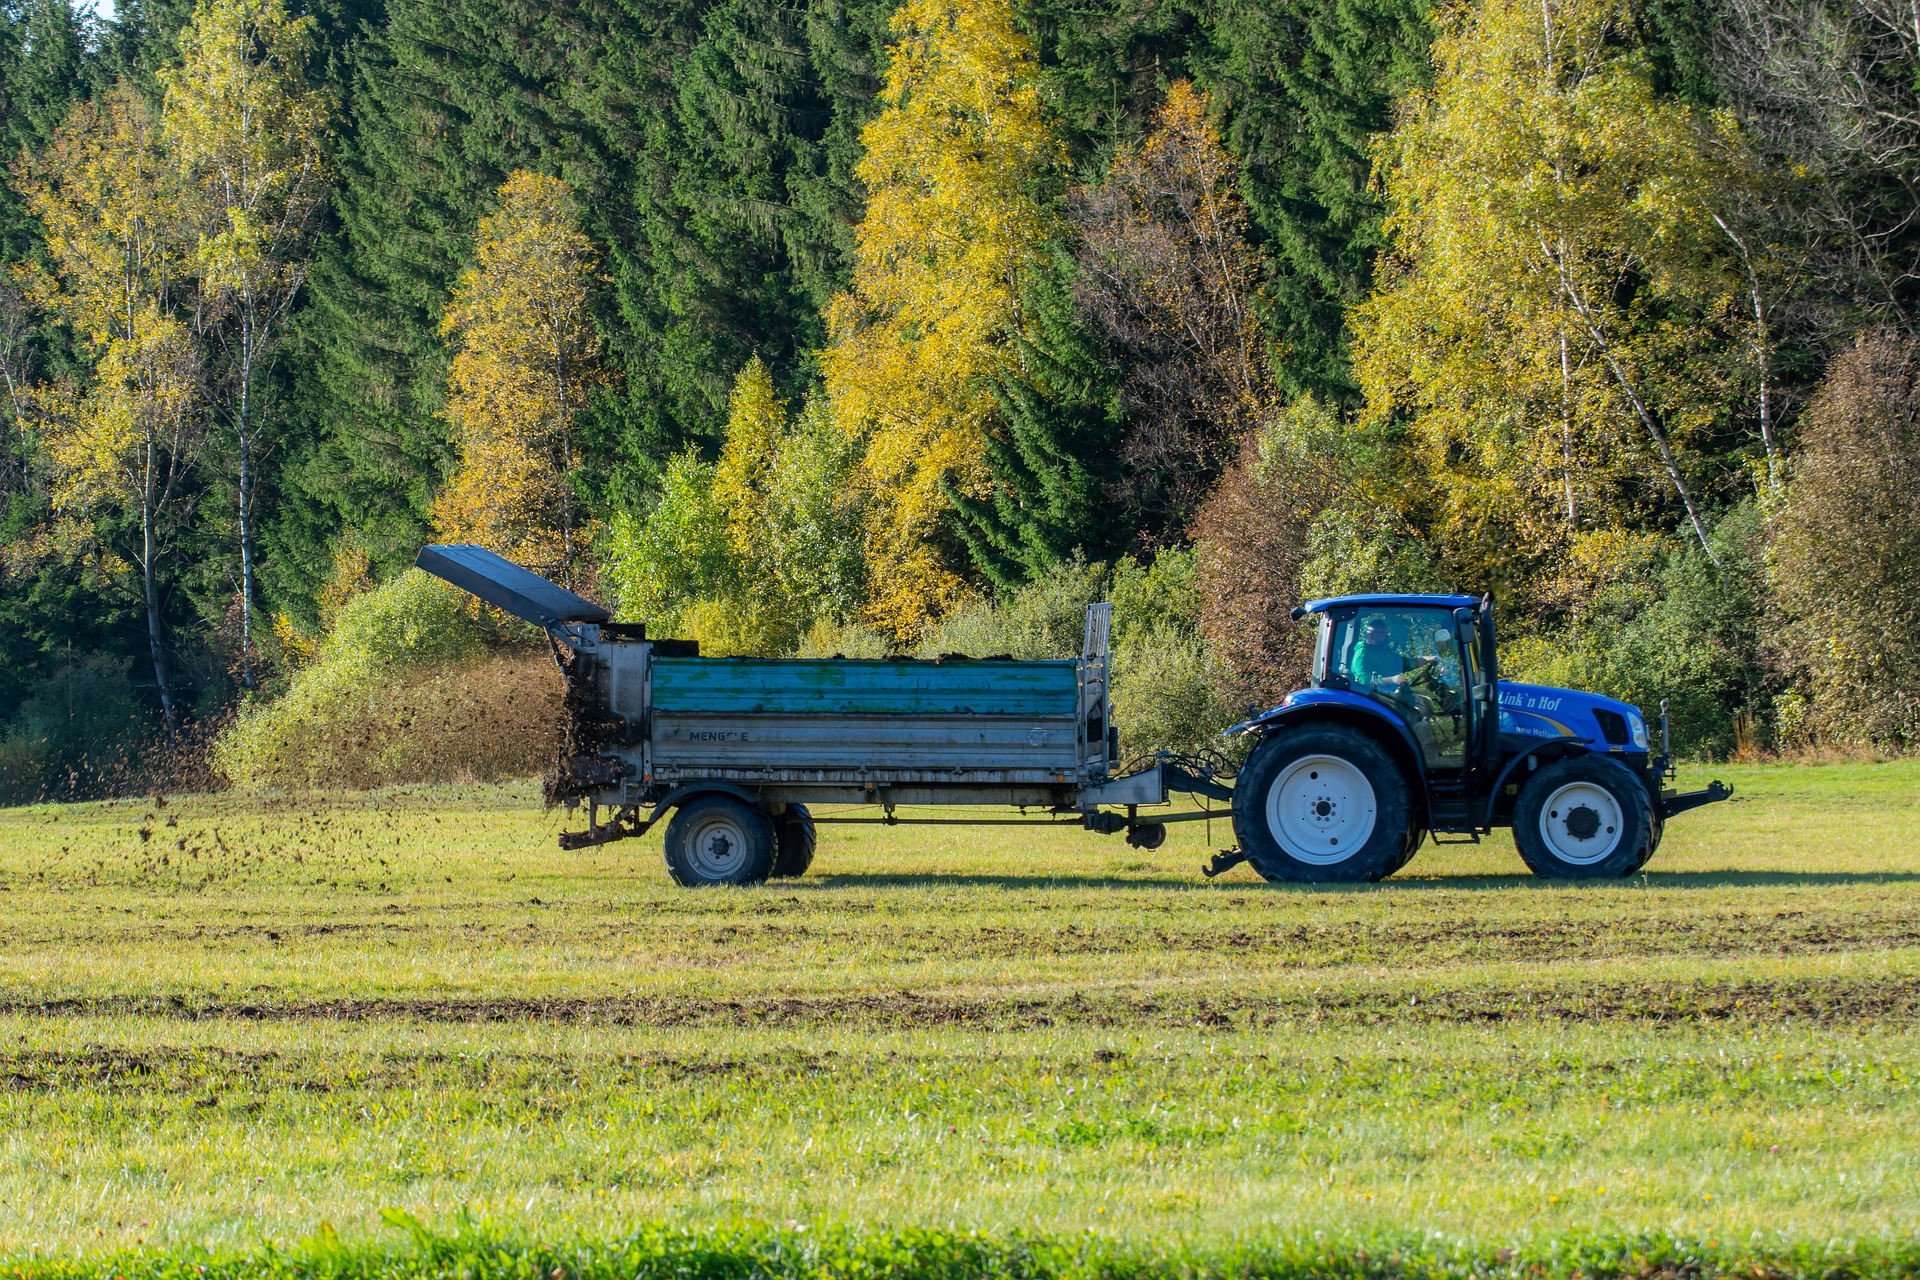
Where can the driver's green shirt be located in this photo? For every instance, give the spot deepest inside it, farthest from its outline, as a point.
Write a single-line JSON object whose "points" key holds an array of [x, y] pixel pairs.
{"points": [[1375, 662]]}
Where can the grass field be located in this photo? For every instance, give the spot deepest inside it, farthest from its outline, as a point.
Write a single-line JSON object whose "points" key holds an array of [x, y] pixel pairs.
{"points": [[230, 1020]]}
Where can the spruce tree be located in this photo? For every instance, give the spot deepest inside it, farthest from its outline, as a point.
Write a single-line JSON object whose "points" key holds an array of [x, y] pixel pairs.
{"points": [[446, 100], [712, 148], [1053, 454], [1305, 87], [42, 59]]}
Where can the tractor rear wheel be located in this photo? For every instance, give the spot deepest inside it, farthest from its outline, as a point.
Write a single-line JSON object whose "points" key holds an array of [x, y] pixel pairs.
{"points": [[716, 840], [1323, 803], [793, 841], [1584, 818]]}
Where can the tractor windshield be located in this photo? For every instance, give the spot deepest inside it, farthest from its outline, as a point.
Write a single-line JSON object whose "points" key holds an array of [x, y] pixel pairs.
{"points": [[1408, 658]]}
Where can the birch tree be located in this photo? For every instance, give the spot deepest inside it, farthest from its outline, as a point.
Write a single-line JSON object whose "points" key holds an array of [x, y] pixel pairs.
{"points": [[113, 207], [956, 164], [1558, 302], [248, 134], [16, 337]]}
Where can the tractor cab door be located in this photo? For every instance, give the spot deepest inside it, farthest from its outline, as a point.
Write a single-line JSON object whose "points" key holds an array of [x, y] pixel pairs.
{"points": [[1410, 659]]}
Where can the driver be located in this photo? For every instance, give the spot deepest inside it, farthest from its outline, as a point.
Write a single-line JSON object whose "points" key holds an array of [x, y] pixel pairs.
{"points": [[1443, 670], [1376, 663]]}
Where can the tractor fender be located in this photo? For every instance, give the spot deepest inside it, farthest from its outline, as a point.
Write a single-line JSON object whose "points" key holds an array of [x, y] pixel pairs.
{"points": [[1555, 748], [1337, 706], [1500, 805], [705, 787]]}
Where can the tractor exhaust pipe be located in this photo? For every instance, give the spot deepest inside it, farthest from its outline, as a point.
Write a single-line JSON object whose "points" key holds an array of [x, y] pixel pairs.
{"points": [[1666, 743]]}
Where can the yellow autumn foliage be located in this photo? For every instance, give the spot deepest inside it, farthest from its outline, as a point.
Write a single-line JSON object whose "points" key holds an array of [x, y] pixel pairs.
{"points": [[527, 358], [954, 163], [756, 423], [748, 553], [115, 213], [1551, 218], [249, 135]]}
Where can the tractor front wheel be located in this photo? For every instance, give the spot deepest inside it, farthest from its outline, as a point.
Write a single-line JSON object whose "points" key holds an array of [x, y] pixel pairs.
{"points": [[1323, 803], [1584, 818]]}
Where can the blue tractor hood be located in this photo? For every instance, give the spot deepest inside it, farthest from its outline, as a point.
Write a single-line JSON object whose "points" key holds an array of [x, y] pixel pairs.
{"points": [[1526, 710], [1537, 711]]}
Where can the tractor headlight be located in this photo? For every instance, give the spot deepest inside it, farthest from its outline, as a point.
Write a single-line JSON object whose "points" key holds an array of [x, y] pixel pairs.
{"points": [[1637, 728]]}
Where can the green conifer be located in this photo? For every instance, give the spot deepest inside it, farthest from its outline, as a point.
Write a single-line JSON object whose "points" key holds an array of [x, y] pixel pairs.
{"points": [[1052, 457]]}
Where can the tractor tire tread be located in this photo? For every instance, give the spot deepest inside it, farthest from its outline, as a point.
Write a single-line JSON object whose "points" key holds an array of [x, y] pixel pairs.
{"points": [[755, 867]]}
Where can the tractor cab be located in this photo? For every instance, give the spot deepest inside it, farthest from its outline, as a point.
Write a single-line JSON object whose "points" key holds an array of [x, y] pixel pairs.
{"points": [[1422, 658]]}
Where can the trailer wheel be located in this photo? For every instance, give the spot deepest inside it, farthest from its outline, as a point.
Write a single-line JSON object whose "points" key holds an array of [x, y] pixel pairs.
{"points": [[793, 842], [716, 840], [1584, 818], [1323, 803]]}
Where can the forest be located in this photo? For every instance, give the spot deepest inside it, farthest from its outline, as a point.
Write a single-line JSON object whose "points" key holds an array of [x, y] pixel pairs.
{"points": [[865, 328]]}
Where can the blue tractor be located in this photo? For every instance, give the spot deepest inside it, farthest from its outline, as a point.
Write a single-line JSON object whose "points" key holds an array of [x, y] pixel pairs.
{"points": [[1407, 728]]}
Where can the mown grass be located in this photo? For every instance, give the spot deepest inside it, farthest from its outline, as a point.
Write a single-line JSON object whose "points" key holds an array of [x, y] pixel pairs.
{"points": [[262, 1015]]}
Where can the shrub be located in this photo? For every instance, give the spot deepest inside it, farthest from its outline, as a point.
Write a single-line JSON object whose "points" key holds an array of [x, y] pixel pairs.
{"points": [[1654, 618], [410, 687], [1163, 593], [1164, 676], [678, 555], [1046, 618], [1848, 549], [746, 555], [1166, 694], [1251, 535], [826, 639]]}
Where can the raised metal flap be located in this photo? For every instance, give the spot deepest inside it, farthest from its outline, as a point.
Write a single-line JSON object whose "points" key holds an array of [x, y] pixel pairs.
{"points": [[505, 585]]}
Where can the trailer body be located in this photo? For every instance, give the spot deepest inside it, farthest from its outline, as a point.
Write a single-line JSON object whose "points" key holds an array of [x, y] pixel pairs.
{"points": [[839, 731]]}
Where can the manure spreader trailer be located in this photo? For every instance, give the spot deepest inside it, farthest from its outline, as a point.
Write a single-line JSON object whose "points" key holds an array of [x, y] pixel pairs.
{"points": [[1405, 730]]}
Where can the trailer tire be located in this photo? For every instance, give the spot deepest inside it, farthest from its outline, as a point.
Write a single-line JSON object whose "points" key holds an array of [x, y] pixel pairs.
{"points": [[716, 840], [793, 842], [1584, 818], [1324, 803]]}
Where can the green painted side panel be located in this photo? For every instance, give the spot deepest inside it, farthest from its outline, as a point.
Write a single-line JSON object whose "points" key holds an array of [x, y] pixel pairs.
{"points": [[833, 686]]}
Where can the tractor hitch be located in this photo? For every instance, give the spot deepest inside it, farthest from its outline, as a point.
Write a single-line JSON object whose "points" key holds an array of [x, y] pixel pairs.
{"points": [[1223, 862], [1672, 802]]}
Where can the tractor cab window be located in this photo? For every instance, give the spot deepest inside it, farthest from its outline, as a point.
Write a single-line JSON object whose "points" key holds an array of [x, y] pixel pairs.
{"points": [[1410, 660]]}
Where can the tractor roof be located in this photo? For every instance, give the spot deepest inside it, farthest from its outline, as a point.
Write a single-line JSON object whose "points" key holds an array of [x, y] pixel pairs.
{"points": [[1438, 602]]}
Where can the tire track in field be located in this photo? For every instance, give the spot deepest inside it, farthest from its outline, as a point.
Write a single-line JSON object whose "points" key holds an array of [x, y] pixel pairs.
{"points": [[1824, 1001]]}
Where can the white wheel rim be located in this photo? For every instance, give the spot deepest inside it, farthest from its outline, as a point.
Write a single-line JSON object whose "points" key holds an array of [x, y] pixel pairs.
{"points": [[1581, 823], [1321, 809], [717, 845]]}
